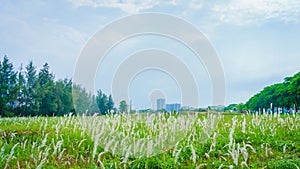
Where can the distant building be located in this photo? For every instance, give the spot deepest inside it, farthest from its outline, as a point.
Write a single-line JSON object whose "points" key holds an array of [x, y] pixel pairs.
{"points": [[173, 107], [161, 104], [145, 111], [217, 108], [187, 108]]}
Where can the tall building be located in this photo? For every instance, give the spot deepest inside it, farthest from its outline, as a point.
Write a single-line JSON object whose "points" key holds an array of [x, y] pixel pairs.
{"points": [[173, 107], [161, 104]]}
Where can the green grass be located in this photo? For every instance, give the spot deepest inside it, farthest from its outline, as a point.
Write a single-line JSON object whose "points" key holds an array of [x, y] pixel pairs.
{"points": [[76, 142]]}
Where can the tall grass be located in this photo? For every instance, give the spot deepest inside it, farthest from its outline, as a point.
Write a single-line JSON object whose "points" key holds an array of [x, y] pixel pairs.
{"points": [[151, 141]]}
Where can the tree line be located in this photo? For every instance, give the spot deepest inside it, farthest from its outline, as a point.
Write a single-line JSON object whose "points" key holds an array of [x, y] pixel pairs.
{"points": [[32, 92], [281, 95], [285, 95]]}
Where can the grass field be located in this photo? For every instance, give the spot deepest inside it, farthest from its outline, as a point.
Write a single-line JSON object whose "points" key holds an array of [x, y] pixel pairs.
{"points": [[177, 141]]}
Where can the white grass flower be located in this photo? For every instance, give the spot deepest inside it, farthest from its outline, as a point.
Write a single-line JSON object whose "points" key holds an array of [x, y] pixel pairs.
{"points": [[267, 150], [83, 140], [200, 165], [235, 153], [245, 153], [126, 155], [244, 125], [193, 154], [106, 148], [61, 154], [149, 148], [232, 131], [99, 161], [44, 141], [24, 144], [223, 158], [206, 155], [248, 145], [177, 156], [11, 154], [244, 164], [215, 139]]}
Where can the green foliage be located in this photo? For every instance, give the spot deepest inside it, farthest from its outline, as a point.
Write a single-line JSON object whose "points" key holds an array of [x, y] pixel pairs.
{"points": [[123, 107], [63, 91], [230, 107], [31, 92], [47, 96], [284, 164], [81, 99], [285, 94], [8, 87], [236, 107], [105, 104], [62, 142]]}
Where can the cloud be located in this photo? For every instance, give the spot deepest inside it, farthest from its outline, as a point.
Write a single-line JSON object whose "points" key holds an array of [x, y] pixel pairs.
{"points": [[239, 12], [245, 12], [195, 4], [43, 40], [128, 6]]}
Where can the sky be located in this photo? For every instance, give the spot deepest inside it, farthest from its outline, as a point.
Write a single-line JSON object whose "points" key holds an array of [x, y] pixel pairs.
{"points": [[257, 42]]}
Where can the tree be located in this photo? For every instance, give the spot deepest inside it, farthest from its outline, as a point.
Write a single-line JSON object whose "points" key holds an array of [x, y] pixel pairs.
{"points": [[47, 96], [231, 107], [101, 102], [64, 102], [21, 93], [93, 107], [30, 93], [294, 90], [110, 103], [105, 104], [81, 99], [123, 106], [8, 88], [240, 107], [285, 94]]}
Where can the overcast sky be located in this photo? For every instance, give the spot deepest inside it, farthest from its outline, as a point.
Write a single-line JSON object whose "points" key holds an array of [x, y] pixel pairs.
{"points": [[257, 41]]}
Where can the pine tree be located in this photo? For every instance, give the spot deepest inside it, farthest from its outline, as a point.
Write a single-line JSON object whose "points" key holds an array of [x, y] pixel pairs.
{"points": [[31, 95], [110, 104], [81, 99], [47, 95], [8, 88], [123, 107], [64, 102], [102, 102], [21, 93]]}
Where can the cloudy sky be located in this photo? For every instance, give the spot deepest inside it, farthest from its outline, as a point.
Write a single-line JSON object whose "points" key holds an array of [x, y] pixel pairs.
{"points": [[257, 41]]}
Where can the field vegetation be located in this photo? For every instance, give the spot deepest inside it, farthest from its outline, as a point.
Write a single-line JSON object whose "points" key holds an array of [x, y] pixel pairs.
{"points": [[203, 141]]}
